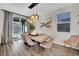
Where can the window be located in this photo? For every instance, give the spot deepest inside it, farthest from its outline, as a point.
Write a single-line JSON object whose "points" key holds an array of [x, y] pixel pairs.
{"points": [[19, 26], [63, 22]]}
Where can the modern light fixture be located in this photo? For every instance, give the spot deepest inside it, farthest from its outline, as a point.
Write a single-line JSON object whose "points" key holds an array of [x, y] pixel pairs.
{"points": [[33, 18]]}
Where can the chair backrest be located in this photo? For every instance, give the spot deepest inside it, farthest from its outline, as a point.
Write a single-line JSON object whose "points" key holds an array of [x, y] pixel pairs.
{"points": [[47, 44], [29, 40], [50, 39], [23, 37]]}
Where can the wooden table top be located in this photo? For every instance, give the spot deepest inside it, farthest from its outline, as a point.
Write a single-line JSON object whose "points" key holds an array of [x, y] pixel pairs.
{"points": [[40, 38]]}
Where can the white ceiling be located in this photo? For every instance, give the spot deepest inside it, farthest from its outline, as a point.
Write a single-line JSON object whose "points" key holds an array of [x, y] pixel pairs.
{"points": [[22, 8], [45, 8]]}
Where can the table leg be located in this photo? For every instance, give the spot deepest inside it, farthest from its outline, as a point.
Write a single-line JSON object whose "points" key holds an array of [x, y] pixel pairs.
{"points": [[37, 46]]}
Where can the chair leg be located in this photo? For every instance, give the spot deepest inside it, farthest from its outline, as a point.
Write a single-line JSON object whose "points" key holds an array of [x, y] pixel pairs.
{"points": [[65, 45], [70, 47], [37, 47], [26, 44], [76, 47], [42, 49]]}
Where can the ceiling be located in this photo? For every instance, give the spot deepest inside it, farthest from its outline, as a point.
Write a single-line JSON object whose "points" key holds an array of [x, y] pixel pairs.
{"points": [[42, 8]]}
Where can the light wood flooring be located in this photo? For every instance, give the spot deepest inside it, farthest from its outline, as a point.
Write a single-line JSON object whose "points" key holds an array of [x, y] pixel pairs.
{"points": [[19, 49]]}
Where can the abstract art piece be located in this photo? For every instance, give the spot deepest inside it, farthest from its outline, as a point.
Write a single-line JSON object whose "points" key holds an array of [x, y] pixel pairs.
{"points": [[63, 22], [48, 24]]}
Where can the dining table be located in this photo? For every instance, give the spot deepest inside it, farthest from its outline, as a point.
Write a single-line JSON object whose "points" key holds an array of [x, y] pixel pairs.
{"points": [[39, 39]]}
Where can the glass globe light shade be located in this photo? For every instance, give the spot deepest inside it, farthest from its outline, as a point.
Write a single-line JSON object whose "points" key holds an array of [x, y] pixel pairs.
{"points": [[32, 17], [30, 21]]}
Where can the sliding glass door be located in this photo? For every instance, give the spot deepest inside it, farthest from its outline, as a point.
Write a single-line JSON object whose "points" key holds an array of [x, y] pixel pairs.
{"points": [[19, 26], [17, 29]]}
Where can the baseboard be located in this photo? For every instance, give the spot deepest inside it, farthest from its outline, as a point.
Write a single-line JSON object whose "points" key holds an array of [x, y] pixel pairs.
{"points": [[59, 43]]}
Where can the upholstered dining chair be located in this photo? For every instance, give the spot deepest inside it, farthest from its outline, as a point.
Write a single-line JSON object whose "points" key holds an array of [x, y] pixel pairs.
{"points": [[27, 40], [47, 44]]}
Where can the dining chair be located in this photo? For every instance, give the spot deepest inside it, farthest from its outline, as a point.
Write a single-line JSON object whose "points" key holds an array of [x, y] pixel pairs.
{"points": [[47, 44], [29, 40]]}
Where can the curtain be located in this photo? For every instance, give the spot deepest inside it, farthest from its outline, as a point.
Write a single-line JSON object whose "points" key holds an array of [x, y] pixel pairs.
{"points": [[7, 28]]}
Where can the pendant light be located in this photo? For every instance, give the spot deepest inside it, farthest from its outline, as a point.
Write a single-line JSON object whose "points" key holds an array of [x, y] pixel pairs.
{"points": [[34, 17]]}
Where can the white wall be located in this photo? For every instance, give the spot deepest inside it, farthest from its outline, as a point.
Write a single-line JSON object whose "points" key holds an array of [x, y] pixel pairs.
{"points": [[74, 26], [44, 30], [61, 36]]}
